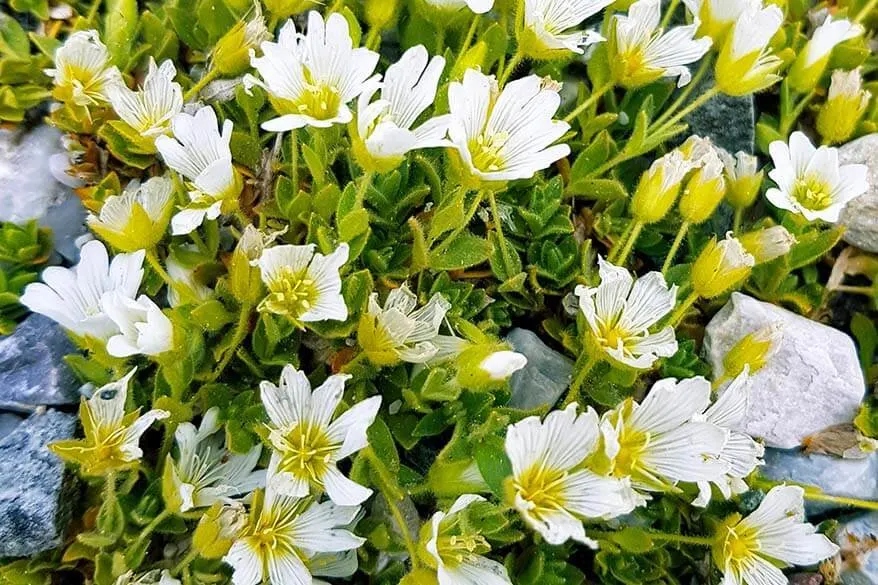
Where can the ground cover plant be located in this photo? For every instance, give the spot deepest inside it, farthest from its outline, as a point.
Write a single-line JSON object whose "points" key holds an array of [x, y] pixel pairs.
{"points": [[315, 224]]}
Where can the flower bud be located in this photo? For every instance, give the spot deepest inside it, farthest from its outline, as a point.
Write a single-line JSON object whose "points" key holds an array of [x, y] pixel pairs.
{"points": [[286, 8], [745, 64], [659, 187], [482, 366], [704, 191], [743, 178], [217, 529], [752, 351], [811, 63], [845, 105], [231, 55], [245, 281], [720, 266], [767, 244], [138, 218], [381, 13]]}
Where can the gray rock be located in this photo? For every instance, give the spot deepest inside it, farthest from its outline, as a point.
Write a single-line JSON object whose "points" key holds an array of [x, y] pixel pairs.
{"points": [[729, 121], [852, 478], [29, 189], [9, 421], [32, 369], [33, 497], [806, 579], [813, 381], [860, 216], [858, 539], [545, 377]]}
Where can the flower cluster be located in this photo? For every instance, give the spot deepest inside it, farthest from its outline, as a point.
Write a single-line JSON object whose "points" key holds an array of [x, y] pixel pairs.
{"points": [[414, 292]]}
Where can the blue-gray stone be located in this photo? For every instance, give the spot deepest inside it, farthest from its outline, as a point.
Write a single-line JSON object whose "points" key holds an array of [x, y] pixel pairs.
{"points": [[853, 478], [860, 562], [32, 368], [33, 498], [730, 122], [9, 421], [545, 377]]}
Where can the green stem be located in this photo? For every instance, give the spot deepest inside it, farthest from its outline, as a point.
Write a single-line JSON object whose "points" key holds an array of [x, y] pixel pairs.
{"points": [[242, 328], [787, 124], [596, 94], [687, 91], [857, 503], [392, 495], [365, 183], [187, 560], [629, 245], [192, 92], [336, 6], [681, 310], [457, 231], [675, 247], [93, 10], [576, 386], [373, 39], [294, 161], [467, 40], [513, 64], [498, 225], [736, 223], [681, 538], [867, 9], [150, 528], [669, 13]]}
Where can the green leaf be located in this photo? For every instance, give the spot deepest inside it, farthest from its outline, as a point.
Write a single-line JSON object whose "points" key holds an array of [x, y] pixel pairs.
{"points": [[493, 463], [120, 28], [464, 251], [212, 315], [598, 189], [812, 246], [382, 443], [448, 216], [633, 539], [13, 39]]}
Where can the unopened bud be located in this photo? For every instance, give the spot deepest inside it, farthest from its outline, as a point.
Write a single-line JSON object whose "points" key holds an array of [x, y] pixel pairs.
{"points": [[811, 63], [217, 530], [743, 178], [659, 187], [767, 244], [845, 105], [720, 266], [483, 366], [231, 55], [753, 351], [704, 190]]}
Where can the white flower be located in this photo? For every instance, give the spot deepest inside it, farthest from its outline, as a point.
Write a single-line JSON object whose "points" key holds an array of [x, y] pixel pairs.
{"points": [[549, 22], [409, 88], [810, 180], [746, 64], [750, 551], [307, 441], [82, 70], [767, 244], [507, 136], [657, 444], [111, 436], [401, 331], [311, 78], [849, 84], [184, 276], [499, 365], [477, 6], [303, 285], [827, 36], [717, 16], [740, 166], [741, 453], [205, 472], [201, 154], [149, 111], [620, 311], [143, 327], [138, 218], [641, 52], [456, 553], [72, 296], [553, 491], [285, 535]]}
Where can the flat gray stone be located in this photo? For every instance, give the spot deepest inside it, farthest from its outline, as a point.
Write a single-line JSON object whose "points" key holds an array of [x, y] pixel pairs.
{"points": [[860, 216], [730, 122], [32, 368], [852, 478], [545, 377], [29, 189], [9, 421], [814, 380], [859, 563], [33, 501]]}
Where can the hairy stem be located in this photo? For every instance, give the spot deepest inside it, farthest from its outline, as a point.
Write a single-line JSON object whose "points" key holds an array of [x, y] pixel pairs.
{"points": [[682, 309], [675, 247], [582, 373], [193, 91], [596, 94]]}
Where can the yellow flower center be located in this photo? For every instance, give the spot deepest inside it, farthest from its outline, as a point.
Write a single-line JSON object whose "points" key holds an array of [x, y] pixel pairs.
{"points": [[307, 452], [454, 549], [812, 193], [488, 151], [292, 293], [739, 545], [543, 488], [632, 444]]}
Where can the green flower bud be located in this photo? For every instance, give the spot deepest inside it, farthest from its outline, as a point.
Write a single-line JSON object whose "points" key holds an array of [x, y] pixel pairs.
{"points": [[743, 178], [245, 281], [381, 13], [659, 187], [752, 351], [768, 244], [483, 366], [217, 529], [845, 105], [720, 266], [704, 191], [286, 8], [811, 63], [231, 55]]}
